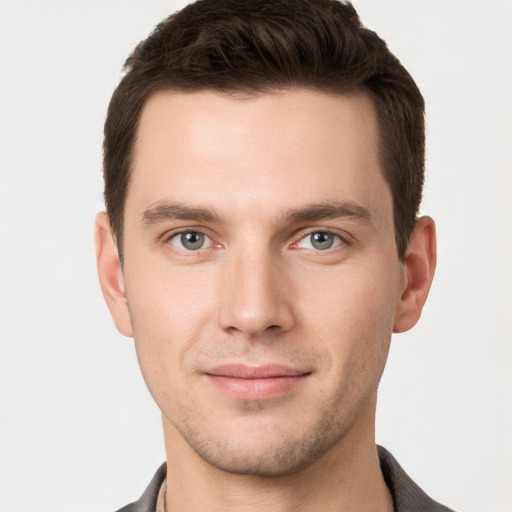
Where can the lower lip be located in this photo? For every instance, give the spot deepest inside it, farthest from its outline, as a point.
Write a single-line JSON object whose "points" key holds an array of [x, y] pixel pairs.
{"points": [[257, 389]]}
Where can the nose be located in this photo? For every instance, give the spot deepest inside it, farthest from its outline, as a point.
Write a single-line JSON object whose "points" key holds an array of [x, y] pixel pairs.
{"points": [[256, 295]]}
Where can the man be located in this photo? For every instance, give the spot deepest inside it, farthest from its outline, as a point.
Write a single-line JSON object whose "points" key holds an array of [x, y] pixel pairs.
{"points": [[263, 165]]}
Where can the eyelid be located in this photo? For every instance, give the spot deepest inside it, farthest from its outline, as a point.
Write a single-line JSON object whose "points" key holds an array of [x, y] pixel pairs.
{"points": [[342, 236], [166, 238]]}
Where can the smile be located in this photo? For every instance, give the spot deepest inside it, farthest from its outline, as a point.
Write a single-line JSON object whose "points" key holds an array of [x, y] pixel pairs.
{"points": [[256, 382]]}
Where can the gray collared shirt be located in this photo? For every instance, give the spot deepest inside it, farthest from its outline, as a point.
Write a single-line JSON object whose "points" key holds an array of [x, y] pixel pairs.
{"points": [[407, 496]]}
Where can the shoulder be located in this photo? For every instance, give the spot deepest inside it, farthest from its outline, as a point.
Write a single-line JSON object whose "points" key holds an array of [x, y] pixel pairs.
{"points": [[147, 502], [407, 495]]}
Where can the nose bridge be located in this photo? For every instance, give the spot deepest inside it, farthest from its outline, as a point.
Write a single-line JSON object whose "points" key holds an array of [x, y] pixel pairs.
{"points": [[255, 291]]}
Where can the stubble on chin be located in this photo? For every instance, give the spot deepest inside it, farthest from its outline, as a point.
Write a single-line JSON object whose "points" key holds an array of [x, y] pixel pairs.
{"points": [[275, 451]]}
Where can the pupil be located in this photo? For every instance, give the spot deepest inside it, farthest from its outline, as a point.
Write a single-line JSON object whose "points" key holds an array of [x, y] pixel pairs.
{"points": [[322, 240], [192, 240]]}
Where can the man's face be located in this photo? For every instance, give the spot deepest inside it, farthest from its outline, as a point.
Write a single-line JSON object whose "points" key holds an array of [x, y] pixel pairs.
{"points": [[261, 272]]}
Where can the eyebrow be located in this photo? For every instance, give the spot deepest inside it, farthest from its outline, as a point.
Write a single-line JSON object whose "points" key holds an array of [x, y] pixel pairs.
{"points": [[331, 210], [164, 211]]}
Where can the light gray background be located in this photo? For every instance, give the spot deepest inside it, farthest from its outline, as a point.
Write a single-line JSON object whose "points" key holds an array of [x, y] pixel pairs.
{"points": [[78, 430]]}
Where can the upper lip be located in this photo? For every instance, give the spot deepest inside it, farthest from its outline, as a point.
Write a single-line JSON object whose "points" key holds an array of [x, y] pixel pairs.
{"points": [[241, 371]]}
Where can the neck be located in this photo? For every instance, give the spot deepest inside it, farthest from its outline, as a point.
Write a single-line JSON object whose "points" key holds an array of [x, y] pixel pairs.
{"points": [[348, 477]]}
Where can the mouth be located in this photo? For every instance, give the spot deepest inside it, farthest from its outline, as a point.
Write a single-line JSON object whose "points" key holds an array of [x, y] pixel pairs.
{"points": [[256, 382]]}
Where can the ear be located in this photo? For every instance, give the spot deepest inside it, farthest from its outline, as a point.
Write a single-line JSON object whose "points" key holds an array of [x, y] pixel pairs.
{"points": [[110, 273], [419, 266]]}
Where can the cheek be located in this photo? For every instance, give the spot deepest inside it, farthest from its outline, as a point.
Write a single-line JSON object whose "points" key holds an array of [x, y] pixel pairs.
{"points": [[167, 302], [352, 311], [169, 314]]}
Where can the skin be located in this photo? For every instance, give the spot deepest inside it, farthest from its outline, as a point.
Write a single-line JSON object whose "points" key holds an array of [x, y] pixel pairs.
{"points": [[259, 176]]}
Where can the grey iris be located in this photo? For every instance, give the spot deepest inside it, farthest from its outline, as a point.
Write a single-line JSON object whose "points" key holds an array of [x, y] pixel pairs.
{"points": [[322, 240], [192, 240]]}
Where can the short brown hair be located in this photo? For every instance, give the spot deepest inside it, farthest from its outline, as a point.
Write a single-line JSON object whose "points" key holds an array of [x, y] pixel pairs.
{"points": [[258, 46]]}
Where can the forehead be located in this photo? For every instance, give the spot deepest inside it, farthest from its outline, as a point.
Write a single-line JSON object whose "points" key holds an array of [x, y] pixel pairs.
{"points": [[284, 148]]}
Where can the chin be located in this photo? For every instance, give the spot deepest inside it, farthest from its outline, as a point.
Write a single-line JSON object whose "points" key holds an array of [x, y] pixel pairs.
{"points": [[286, 460], [263, 453]]}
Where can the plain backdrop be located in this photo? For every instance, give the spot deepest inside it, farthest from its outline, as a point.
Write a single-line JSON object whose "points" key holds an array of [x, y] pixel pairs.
{"points": [[78, 429]]}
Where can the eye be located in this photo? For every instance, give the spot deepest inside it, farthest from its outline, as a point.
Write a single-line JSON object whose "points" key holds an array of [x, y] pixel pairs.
{"points": [[320, 241], [190, 240]]}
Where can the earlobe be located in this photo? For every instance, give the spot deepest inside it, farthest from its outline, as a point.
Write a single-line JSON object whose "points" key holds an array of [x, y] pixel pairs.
{"points": [[419, 266], [110, 274]]}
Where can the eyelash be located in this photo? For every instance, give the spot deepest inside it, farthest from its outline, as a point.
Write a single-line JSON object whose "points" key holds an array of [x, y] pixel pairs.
{"points": [[338, 240], [180, 234]]}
